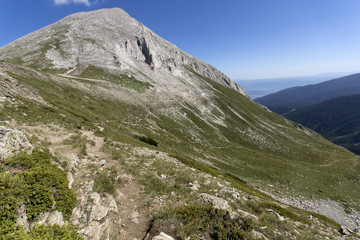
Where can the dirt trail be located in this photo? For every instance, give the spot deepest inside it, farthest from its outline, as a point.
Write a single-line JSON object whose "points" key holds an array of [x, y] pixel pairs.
{"points": [[131, 221]]}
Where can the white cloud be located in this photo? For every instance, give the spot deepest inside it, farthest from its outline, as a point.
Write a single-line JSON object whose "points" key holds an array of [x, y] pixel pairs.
{"points": [[63, 2]]}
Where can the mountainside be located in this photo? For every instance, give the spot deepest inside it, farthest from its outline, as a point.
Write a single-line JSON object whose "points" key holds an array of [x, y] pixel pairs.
{"points": [[337, 119], [147, 134], [298, 97]]}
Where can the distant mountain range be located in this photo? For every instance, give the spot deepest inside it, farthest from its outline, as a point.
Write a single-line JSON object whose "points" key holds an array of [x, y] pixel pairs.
{"points": [[298, 97], [257, 88], [336, 119], [330, 108]]}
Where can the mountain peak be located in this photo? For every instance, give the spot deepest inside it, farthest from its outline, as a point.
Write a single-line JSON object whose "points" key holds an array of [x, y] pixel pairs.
{"points": [[109, 39]]}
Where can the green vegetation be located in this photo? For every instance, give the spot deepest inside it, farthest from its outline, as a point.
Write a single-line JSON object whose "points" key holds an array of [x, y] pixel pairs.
{"points": [[105, 180], [78, 141], [41, 186], [338, 120], [41, 232], [198, 221], [147, 140], [126, 81], [246, 144]]}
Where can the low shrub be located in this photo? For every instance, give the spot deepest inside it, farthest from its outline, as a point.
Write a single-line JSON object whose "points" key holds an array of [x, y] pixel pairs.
{"points": [[104, 182], [36, 183], [147, 140], [200, 221]]}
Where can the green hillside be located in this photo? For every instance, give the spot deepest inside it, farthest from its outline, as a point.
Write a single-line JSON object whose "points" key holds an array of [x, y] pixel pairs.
{"points": [[240, 139], [337, 119]]}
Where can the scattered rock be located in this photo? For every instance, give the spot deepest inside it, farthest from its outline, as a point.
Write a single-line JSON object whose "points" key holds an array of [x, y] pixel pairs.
{"points": [[163, 236], [215, 201], [281, 218], [246, 214], [345, 231], [102, 163], [134, 217], [231, 191], [258, 235], [12, 141], [194, 186]]}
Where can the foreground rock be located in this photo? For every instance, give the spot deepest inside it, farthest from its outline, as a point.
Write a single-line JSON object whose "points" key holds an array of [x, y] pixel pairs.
{"points": [[163, 236]]}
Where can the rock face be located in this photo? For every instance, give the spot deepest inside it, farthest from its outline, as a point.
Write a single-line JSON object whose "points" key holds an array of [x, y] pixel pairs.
{"points": [[109, 39], [12, 141]]}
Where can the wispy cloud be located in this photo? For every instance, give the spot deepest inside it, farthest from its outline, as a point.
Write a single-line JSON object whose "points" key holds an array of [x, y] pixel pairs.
{"points": [[64, 2]]}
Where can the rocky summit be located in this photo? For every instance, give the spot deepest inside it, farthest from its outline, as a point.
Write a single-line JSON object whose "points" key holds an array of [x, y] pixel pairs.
{"points": [[112, 40], [109, 131]]}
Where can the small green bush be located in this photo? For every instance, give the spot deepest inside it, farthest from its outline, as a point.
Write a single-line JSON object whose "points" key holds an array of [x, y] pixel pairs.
{"points": [[54, 232], [104, 183], [39, 185], [204, 220]]}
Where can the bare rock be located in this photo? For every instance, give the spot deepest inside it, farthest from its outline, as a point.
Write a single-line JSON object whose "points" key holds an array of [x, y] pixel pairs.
{"points": [[50, 218], [246, 214], [134, 217], [96, 230], [258, 235], [345, 231], [215, 201], [100, 209], [12, 141], [22, 218], [163, 236]]}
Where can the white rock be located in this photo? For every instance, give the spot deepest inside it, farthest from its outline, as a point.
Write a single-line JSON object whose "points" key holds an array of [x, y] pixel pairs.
{"points": [[50, 218], [134, 217], [163, 236], [215, 201], [22, 218], [258, 235], [12, 141]]}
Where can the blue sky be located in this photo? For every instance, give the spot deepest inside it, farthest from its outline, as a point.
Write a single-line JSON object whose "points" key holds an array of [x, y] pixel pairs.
{"points": [[245, 39]]}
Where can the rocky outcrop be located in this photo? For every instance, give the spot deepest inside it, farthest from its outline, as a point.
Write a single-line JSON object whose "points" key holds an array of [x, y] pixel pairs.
{"points": [[215, 201], [12, 141], [91, 215]]}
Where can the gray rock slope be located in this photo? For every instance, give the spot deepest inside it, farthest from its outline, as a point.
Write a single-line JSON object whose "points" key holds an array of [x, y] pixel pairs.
{"points": [[112, 40]]}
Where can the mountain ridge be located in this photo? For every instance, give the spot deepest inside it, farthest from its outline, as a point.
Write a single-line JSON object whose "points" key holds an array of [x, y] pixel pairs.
{"points": [[287, 99]]}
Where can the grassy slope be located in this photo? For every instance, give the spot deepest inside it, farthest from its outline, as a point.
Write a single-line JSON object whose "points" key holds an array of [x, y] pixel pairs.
{"points": [[282, 155]]}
